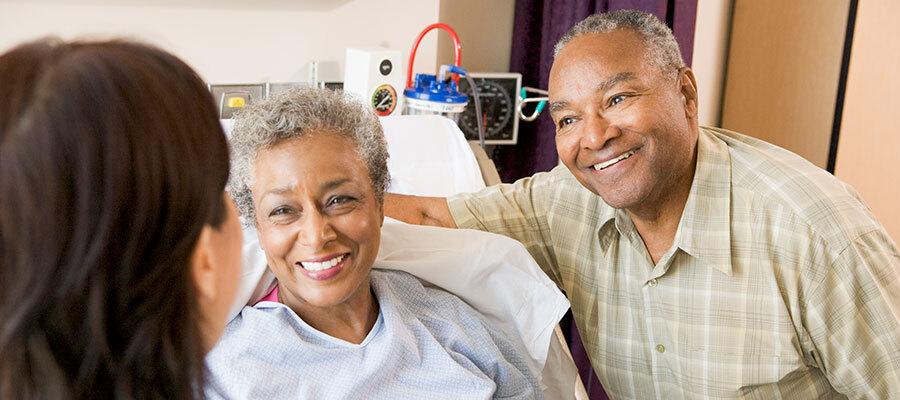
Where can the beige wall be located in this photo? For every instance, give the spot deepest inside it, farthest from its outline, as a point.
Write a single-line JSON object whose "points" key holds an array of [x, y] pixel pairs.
{"points": [[711, 34], [485, 30], [870, 139], [235, 40], [783, 71]]}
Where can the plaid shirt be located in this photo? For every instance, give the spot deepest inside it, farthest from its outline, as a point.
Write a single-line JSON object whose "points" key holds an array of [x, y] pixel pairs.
{"points": [[780, 282]]}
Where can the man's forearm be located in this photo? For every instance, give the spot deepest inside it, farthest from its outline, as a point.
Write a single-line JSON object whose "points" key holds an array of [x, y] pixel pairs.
{"points": [[419, 210]]}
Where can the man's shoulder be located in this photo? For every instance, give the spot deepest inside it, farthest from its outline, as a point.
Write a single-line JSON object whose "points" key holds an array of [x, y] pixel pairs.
{"points": [[771, 180]]}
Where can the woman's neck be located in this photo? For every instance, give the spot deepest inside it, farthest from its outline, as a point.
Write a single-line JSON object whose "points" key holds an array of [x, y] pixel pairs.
{"points": [[350, 321]]}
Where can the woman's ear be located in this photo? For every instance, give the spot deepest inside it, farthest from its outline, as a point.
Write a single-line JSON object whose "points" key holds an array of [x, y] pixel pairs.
{"points": [[202, 268]]}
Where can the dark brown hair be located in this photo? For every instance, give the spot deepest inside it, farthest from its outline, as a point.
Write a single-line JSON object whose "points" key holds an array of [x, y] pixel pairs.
{"points": [[112, 161]]}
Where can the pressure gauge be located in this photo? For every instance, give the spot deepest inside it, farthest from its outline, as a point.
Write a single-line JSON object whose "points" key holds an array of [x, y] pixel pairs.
{"points": [[384, 100], [499, 96]]}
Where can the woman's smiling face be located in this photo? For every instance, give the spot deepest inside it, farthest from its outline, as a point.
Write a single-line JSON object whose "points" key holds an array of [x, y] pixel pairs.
{"points": [[318, 219]]}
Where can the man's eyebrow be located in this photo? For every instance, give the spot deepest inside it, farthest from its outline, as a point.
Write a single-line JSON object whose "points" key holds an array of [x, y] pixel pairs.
{"points": [[557, 105], [601, 87], [615, 80]]}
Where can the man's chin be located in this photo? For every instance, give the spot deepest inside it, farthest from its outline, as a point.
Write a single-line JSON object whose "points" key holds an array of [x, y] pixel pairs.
{"points": [[623, 198]]}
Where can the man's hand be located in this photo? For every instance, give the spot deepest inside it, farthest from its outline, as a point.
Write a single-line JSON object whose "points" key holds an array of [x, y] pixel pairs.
{"points": [[419, 210]]}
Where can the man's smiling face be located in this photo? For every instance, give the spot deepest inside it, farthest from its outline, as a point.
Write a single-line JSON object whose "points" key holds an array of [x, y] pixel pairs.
{"points": [[624, 127]]}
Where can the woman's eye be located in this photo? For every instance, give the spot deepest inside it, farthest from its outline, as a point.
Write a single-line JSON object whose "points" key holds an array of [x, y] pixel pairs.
{"points": [[338, 200], [617, 99], [279, 211]]}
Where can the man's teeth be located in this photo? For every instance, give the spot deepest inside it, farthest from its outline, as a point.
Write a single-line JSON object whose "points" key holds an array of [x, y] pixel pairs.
{"points": [[613, 161], [321, 266]]}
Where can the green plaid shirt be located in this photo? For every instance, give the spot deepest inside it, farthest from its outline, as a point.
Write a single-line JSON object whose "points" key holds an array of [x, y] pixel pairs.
{"points": [[780, 282]]}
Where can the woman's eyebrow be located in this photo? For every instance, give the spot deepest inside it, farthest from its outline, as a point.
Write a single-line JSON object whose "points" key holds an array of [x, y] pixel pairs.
{"points": [[332, 184], [277, 191]]}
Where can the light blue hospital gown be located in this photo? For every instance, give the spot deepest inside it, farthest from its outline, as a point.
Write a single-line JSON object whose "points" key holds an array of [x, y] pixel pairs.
{"points": [[426, 344]]}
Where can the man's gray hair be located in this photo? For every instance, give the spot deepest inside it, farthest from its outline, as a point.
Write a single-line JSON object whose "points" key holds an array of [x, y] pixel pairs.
{"points": [[660, 42], [294, 114]]}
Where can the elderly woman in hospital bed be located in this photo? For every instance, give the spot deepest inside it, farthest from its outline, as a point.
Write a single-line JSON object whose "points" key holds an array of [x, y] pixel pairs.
{"points": [[309, 172]]}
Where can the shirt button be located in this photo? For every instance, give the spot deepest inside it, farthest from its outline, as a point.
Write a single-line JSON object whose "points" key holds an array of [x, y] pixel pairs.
{"points": [[660, 348], [653, 282]]}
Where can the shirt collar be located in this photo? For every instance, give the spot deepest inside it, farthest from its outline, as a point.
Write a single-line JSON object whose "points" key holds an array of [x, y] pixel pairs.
{"points": [[608, 225], [704, 231]]}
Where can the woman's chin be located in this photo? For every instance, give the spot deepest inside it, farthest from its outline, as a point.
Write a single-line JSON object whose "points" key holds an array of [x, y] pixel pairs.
{"points": [[324, 297]]}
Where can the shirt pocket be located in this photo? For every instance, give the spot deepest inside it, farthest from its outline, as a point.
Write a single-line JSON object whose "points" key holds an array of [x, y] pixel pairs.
{"points": [[729, 375]]}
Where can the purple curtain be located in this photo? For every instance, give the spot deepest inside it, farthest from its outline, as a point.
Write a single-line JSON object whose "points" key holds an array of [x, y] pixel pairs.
{"points": [[537, 26]]}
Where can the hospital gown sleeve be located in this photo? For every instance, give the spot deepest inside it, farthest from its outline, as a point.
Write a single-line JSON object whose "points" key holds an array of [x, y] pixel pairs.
{"points": [[517, 210]]}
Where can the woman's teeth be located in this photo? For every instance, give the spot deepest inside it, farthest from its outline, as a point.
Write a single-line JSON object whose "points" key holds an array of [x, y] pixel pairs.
{"points": [[321, 266], [613, 161]]}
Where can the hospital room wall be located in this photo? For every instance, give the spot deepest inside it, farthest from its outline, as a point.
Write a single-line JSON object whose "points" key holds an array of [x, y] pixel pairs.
{"points": [[232, 41], [784, 69], [869, 139], [711, 34], [485, 31], [784, 65]]}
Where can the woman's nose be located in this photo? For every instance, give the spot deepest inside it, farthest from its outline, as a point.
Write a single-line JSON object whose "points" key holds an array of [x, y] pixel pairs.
{"points": [[316, 231]]}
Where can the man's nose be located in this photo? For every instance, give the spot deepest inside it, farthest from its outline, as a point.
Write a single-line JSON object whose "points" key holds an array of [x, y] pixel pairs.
{"points": [[316, 231], [598, 131]]}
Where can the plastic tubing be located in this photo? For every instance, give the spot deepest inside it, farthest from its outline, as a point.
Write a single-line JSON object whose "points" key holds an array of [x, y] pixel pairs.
{"points": [[457, 52]]}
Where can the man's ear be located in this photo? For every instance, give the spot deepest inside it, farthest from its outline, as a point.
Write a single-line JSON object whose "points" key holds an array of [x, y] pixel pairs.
{"points": [[688, 92], [202, 268]]}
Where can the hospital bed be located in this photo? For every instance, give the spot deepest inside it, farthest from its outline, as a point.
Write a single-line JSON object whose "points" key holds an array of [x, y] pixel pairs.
{"points": [[495, 275]]}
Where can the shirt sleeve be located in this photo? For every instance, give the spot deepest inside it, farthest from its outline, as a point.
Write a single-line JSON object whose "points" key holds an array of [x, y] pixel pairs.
{"points": [[853, 318], [517, 210]]}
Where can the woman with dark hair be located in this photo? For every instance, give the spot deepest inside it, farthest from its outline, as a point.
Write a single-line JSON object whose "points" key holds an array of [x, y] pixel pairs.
{"points": [[119, 254]]}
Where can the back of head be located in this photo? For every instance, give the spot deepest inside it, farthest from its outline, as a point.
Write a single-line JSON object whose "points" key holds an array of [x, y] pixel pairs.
{"points": [[112, 161]]}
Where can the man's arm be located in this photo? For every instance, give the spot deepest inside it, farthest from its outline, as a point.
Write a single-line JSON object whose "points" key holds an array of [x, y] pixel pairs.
{"points": [[419, 210], [853, 318]]}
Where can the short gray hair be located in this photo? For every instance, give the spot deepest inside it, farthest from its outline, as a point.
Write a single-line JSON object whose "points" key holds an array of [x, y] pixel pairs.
{"points": [[660, 42], [294, 114]]}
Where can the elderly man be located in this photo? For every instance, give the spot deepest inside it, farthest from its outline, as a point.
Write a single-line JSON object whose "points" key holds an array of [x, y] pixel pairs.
{"points": [[700, 263]]}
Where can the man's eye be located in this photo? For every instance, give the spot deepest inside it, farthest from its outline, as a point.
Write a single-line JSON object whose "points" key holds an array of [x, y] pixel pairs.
{"points": [[565, 121], [617, 99]]}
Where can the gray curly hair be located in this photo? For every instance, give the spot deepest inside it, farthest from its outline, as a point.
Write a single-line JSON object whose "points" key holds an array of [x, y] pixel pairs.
{"points": [[661, 43], [294, 114]]}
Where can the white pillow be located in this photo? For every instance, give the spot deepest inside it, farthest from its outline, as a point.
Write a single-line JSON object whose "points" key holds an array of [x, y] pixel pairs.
{"points": [[429, 157], [492, 273]]}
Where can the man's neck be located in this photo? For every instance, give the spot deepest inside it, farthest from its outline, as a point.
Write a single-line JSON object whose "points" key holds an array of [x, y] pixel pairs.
{"points": [[657, 233], [658, 222]]}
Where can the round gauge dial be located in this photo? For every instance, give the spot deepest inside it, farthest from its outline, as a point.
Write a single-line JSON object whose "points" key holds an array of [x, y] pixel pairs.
{"points": [[497, 110], [384, 100]]}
